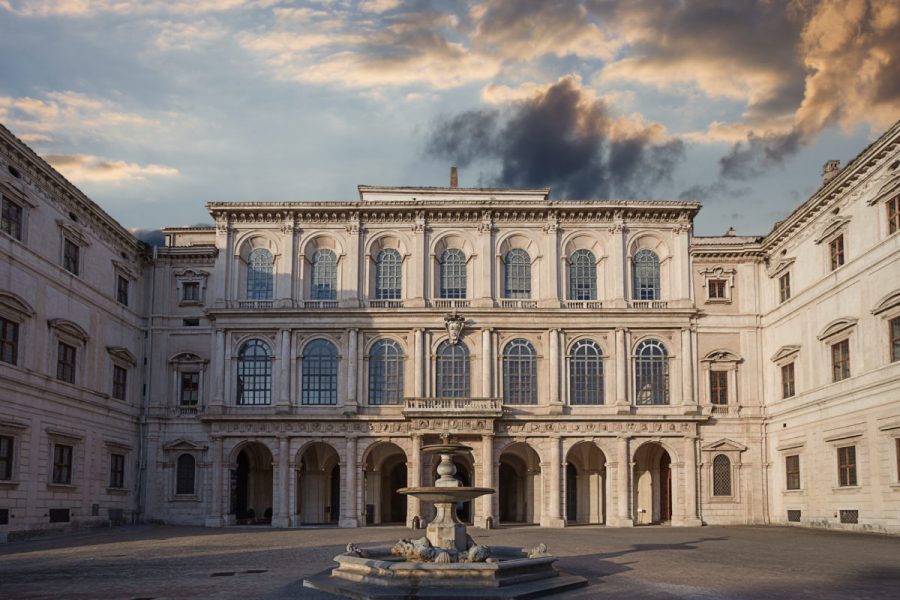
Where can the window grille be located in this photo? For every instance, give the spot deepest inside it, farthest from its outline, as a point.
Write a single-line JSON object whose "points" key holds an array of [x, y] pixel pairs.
{"points": [[784, 287], [517, 274], [787, 380], [793, 516], [721, 476], [62, 464], [120, 382], [324, 275], [319, 385], [259, 275], [645, 275], [452, 365], [792, 471], [9, 341], [453, 274], [254, 384], [582, 275], [65, 363], [117, 470], [847, 466], [586, 373], [388, 277], [190, 389], [519, 373], [718, 387], [651, 368], [840, 360], [385, 373], [11, 221], [70, 256], [836, 250], [894, 326], [122, 285], [6, 457], [850, 516], [185, 475], [893, 210]]}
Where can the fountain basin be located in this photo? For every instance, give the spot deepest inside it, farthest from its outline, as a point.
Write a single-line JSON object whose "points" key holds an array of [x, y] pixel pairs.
{"points": [[446, 494]]}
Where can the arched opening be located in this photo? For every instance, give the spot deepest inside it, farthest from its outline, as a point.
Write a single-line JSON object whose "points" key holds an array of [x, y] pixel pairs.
{"points": [[520, 484], [652, 485], [251, 485], [465, 469], [585, 484], [318, 478], [384, 473]]}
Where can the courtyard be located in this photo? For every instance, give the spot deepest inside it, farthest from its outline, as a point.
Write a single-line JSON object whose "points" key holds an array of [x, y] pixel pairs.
{"points": [[157, 562]]}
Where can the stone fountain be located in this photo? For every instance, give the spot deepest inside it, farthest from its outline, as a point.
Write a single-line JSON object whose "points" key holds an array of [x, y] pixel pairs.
{"points": [[447, 563]]}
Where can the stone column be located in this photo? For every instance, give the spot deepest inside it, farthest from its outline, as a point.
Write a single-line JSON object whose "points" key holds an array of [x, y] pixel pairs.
{"points": [[687, 373], [352, 368], [554, 366], [487, 364], [419, 364], [623, 483], [284, 381], [214, 519], [220, 361], [282, 512], [623, 356], [350, 508], [487, 260], [351, 294], [618, 264], [414, 468], [553, 516], [376, 495], [488, 519], [689, 501]]}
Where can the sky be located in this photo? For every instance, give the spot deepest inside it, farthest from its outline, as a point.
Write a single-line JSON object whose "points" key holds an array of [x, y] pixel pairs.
{"points": [[154, 108]]}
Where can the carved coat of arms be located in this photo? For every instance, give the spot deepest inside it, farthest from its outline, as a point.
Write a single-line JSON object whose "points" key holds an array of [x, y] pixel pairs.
{"points": [[454, 322]]}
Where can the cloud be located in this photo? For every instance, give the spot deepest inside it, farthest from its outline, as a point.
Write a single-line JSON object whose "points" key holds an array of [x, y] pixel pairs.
{"points": [[153, 237], [564, 137], [89, 8], [378, 6], [84, 168], [174, 35]]}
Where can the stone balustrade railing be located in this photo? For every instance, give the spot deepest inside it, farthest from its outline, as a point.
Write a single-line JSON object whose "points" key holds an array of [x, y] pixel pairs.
{"points": [[487, 407]]}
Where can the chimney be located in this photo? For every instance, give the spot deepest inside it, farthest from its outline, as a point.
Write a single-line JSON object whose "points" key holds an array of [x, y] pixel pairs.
{"points": [[454, 178], [831, 168], [730, 232]]}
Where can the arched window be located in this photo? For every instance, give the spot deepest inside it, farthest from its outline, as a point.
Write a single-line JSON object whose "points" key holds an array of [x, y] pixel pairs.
{"points": [[586, 373], [319, 385], [645, 275], [385, 373], [453, 274], [259, 275], [323, 284], [721, 476], [388, 278], [452, 371], [517, 274], [185, 475], [651, 373], [519, 373], [582, 275], [254, 383]]}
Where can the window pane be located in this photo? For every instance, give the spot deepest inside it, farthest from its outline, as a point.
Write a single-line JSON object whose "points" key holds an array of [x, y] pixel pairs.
{"points": [[116, 470], [586, 374], [787, 380], [259, 275], [893, 208], [721, 476], [718, 387], [836, 247], [122, 285], [784, 287], [651, 368], [254, 384], [519, 373], [184, 477], [517, 274], [9, 341], [324, 275], [582, 275], [847, 466], [6, 457], [452, 371], [70, 257], [840, 360], [319, 384], [120, 382], [65, 363], [190, 389], [895, 338], [11, 221], [62, 464], [385, 373], [645, 275], [453, 274], [792, 470], [388, 279], [190, 291]]}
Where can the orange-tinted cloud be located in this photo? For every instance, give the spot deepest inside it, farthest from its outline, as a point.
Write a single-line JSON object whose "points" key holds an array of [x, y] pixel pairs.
{"points": [[84, 168]]}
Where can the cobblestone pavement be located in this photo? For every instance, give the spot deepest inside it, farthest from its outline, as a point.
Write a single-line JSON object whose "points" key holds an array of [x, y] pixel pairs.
{"points": [[708, 563]]}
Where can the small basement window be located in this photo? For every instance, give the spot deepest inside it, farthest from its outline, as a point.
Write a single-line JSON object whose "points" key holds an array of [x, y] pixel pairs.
{"points": [[190, 322], [793, 516], [59, 515], [850, 516]]}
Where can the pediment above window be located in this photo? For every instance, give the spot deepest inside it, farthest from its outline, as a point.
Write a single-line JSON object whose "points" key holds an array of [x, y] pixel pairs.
{"points": [[833, 227], [122, 354], [69, 328], [187, 358], [73, 232], [184, 445], [785, 352], [191, 274], [722, 356], [124, 269], [886, 191], [889, 302], [836, 327], [15, 306], [724, 445], [780, 266]]}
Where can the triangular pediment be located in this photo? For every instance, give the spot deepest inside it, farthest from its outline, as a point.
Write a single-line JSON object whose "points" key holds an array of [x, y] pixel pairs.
{"points": [[776, 268], [187, 357], [122, 353], [785, 352], [183, 445], [724, 445]]}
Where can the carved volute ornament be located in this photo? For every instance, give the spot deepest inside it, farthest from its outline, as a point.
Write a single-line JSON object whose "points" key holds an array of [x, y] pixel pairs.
{"points": [[454, 322]]}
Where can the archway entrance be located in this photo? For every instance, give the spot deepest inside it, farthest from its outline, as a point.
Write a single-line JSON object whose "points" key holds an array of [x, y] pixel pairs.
{"points": [[520, 484], [251, 485], [585, 484], [318, 479], [384, 473], [652, 485]]}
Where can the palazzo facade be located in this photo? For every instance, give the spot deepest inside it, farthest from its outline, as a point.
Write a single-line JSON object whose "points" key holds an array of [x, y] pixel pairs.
{"points": [[286, 365]]}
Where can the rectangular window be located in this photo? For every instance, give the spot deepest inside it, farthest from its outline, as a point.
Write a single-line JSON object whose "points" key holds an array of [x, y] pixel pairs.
{"points": [[840, 360], [716, 289], [836, 250], [122, 285], [847, 466], [71, 253], [117, 471], [894, 328], [59, 515], [190, 389], [897, 456], [893, 210], [65, 363], [718, 387], [62, 464], [787, 380], [6, 457], [11, 221], [190, 291], [9, 341], [784, 287], [792, 471], [120, 382]]}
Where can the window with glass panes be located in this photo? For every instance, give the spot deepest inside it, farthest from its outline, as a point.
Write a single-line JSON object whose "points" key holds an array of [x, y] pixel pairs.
{"points": [[787, 380], [120, 382], [452, 377], [894, 331], [254, 383], [718, 387], [71, 252], [792, 471], [847, 466], [582, 275], [12, 218], [721, 476], [784, 287], [65, 362], [385, 373], [117, 471], [453, 274], [122, 285], [190, 291], [190, 388], [6, 457], [840, 360], [586, 373], [9, 341], [185, 475], [651, 373], [517, 274], [62, 464], [319, 380], [897, 456], [836, 251], [519, 373], [645, 275], [324, 275], [716, 289], [259, 275], [388, 274], [893, 210]]}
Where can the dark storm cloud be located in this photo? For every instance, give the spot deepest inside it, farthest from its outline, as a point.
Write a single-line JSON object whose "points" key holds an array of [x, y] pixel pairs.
{"points": [[562, 138], [758, 154], [153, 237]]}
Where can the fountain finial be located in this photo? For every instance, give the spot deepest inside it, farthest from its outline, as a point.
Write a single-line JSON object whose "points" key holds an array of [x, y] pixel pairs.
{"points": [[445, 437]]}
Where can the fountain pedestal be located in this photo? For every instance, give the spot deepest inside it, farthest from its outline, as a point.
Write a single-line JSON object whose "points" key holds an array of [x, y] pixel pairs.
{"points": [[446, 530]]}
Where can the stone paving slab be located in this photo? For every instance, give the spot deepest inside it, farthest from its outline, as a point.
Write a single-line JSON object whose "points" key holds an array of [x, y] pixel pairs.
{"points": [[655, 563]]}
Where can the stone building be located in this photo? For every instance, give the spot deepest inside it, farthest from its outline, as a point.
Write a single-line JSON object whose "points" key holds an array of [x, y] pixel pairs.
{"points": [[287, 364]]}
